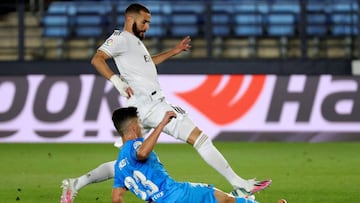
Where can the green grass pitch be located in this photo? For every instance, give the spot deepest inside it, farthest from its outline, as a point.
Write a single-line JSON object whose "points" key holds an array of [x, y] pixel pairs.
{"points": [[301, 172]]}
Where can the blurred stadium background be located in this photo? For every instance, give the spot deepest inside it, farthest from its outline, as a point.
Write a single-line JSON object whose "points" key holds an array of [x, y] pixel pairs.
{"points": [[228, 29], [242, 29]]}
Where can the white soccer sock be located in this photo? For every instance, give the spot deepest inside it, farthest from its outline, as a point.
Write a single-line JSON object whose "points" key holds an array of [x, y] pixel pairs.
{"points": [[103, 172], [215, 159]]}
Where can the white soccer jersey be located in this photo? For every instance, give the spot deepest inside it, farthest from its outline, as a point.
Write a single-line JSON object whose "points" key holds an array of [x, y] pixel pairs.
{"points": [[136, 66], [133, 61]]}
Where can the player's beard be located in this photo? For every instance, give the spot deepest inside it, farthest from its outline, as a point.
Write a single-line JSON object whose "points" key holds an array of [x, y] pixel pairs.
{"points": [[137, 32]]}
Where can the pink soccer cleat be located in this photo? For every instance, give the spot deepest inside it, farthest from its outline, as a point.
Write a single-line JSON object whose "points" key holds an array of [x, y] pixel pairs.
{"points": [[68, 190], [254, 186], [259, 185]]}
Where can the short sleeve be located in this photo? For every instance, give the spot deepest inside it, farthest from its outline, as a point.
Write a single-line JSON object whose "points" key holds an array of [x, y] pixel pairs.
{"points": [[114, 45], [118, 183], [135, 146]]}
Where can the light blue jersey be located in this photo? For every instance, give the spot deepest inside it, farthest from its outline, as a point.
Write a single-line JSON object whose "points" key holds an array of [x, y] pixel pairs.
{"points": [[150, 181]]}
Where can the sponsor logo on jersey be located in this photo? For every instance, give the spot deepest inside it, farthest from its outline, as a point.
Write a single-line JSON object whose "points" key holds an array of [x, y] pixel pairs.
{"points": [[157, 195]]}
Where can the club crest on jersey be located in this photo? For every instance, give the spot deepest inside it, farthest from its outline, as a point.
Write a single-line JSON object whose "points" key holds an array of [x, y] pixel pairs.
{"points": [[147, 58], [137, 144]]}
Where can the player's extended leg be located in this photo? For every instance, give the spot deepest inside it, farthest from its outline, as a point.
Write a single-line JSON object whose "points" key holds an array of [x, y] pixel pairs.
{"points": [[203, 144], [71, 186], [183, 128]]}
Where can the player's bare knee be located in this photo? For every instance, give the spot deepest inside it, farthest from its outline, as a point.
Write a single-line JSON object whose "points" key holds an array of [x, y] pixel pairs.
{"points": [[223, 197], [202, 140], [116, 199], [194, 135], [229, 199]]}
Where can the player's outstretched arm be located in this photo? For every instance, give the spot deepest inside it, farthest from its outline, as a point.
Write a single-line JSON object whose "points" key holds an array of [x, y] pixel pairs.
{"points": [[149, 143], [183, 45]]}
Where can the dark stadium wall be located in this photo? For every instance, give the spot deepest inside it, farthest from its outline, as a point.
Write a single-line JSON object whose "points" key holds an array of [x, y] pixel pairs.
{"points": [[193, 66]]}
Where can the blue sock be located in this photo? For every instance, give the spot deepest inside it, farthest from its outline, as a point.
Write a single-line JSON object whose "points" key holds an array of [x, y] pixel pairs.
{"points": [[244, 200]]}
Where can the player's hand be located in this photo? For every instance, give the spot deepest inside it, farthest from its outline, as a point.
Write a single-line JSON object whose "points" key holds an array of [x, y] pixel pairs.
{"points": [[122, 87], [168, 116], [184, 45], [129, 92]]}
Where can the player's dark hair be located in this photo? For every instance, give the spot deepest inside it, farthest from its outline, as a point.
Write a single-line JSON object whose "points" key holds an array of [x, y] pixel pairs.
{"points": [[136, 8], [121, 116]]}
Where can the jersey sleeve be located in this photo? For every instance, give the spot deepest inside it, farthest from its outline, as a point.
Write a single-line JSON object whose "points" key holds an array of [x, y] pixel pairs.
{"points": [[114, 45], [118, 183], [135, 146]]}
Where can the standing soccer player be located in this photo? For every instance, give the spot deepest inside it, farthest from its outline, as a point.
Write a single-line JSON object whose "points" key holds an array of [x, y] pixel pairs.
{"points": [[139, 84], [139, 170]]}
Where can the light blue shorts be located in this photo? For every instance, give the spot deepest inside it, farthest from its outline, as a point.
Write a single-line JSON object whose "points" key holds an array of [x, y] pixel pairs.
{"points": [[197, 193]]}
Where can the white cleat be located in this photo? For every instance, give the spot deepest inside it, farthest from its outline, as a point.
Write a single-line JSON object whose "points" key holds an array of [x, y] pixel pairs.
{"points": [[254, 186], [241, 192]]}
